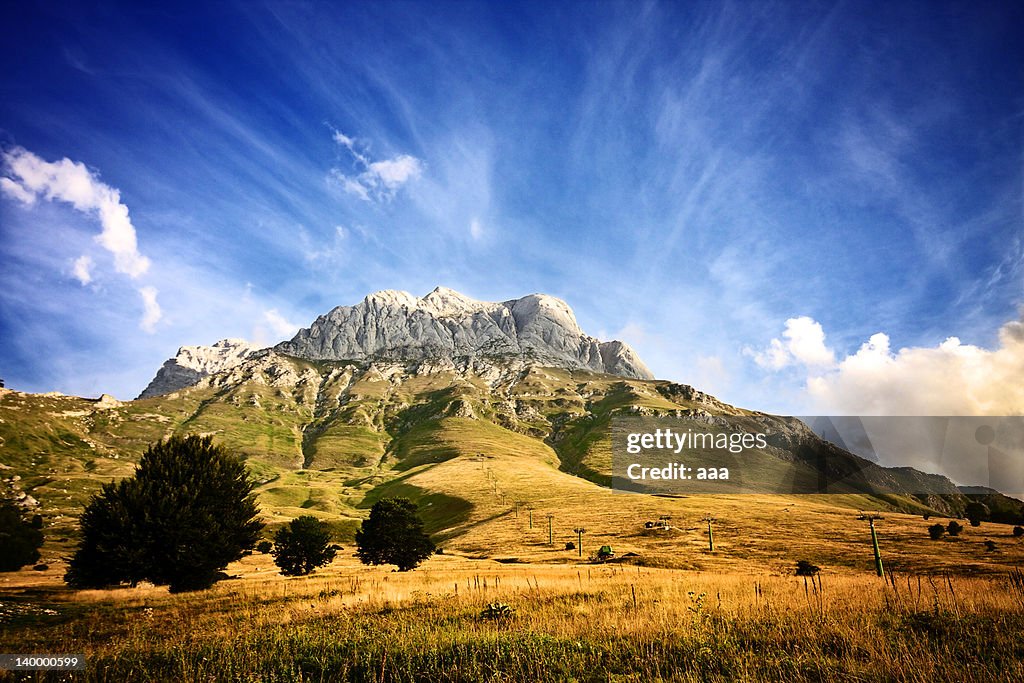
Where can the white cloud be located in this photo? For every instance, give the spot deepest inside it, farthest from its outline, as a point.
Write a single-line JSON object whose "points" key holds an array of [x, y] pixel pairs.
{"points": [[152, 313], [775, 357], [31, 177], [379, 180], [13, 189], [804, 344], [350, 144], [952, 378], [395, 172], [351, 185], [476, 230], [279, 326], [82, 269], [343, 139]]}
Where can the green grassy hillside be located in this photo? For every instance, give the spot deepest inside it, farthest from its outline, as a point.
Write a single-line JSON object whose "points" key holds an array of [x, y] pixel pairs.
{"points": [[479, 452]]}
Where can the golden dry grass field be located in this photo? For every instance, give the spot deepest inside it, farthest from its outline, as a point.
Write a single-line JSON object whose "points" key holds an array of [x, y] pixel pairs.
{"points": [[947, 610], [585, 622], [666, 608]]}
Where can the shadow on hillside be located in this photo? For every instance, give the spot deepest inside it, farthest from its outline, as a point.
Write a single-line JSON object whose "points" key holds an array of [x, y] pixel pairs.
{"points": [[438, 511]]}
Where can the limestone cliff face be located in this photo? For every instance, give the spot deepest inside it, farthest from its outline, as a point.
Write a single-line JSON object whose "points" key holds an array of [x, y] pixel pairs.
{"points": [[442, 327], [192, 363], [395, 325]]}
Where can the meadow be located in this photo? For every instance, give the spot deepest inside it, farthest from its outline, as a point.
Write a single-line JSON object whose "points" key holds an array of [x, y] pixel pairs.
{"points": [[570, 621], [668, 608]]}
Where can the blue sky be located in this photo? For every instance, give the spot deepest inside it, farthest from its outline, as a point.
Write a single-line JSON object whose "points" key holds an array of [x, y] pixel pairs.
{"points": [[745, 192]]}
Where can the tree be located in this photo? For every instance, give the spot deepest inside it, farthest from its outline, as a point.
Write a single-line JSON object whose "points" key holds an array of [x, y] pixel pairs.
{"points": [[393, 534], [302, 546], [20, 539], [185, 514], [805, 568], [264, 547], [976, 513], [935, 531], [1018, 531], [954, 528]]}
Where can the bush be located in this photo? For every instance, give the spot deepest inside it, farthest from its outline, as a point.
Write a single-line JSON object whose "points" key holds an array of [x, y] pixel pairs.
{"points": [[178, 521], [935, 531], [264, 546], [954, 528], [1018, 531], [20, 539], [302, 546], [393, 534], [805, 568], [976, 513], [990, 545]]}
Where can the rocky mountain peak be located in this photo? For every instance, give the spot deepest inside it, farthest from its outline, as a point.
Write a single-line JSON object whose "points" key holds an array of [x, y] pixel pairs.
{"points": [[396, 325], [448, 302], [444, 326], [192, 363], [540, 310], [391, 298]]}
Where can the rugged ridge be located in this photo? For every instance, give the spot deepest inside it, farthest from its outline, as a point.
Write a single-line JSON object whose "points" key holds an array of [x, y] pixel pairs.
{"points": [[395, 325], [192, 363], [364, 414]]}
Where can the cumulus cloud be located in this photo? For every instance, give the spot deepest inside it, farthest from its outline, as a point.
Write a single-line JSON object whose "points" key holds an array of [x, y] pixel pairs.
{"points": [[29, 177], [951, 378], [152, 312], [13, 189], [804, 343], [377, 180], [82, 269]]}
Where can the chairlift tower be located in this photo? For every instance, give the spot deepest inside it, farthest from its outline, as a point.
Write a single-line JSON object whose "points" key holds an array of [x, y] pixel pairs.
{"points": [[711, 534], [579, 531], [874, 540]]}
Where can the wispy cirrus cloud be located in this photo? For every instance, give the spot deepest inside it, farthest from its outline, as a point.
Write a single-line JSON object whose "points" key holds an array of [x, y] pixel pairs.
{"points": [[152, 312], [377, 180], [705, 169]]}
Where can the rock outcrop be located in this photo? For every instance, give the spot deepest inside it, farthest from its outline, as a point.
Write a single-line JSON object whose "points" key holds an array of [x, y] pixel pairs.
{"points": [[192, 363], [395, 325]]}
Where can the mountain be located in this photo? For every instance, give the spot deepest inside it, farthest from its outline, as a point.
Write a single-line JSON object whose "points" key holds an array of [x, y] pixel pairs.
{"points": [[395, 325], [502, 411], [192, 363]]}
